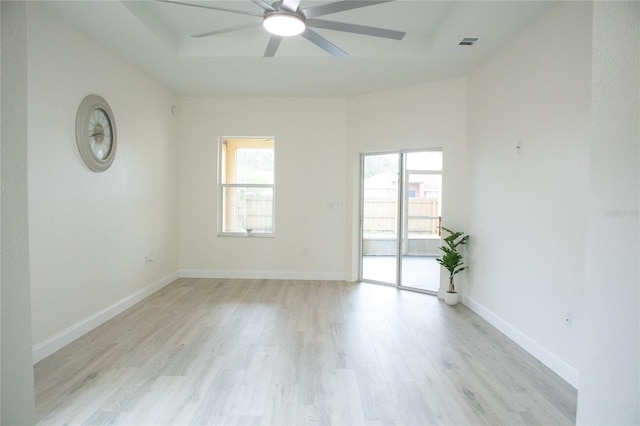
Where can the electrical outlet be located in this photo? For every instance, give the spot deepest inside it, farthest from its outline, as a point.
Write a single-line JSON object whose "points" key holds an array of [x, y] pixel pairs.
{"points": [[568, 320]]}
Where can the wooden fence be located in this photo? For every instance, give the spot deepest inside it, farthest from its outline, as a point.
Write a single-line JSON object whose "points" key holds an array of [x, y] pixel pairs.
{"points": [[258, 213], [380, 217]]}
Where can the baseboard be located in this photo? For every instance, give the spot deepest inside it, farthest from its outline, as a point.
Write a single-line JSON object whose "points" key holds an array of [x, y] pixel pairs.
{"points": [[62, 339], [569, 373], [267, 275]]}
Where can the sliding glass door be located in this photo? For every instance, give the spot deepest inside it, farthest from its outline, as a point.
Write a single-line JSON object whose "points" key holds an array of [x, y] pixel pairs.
{"points": [[400, 219], [379, 219], [422, 215]]}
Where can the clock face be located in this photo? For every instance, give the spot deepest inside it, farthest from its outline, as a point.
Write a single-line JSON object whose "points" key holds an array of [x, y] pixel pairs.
{"points": [[96, 133], [100, 135]]}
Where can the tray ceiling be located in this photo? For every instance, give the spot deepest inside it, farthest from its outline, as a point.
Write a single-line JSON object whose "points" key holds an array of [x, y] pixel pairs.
{"points": [[157, 37]]}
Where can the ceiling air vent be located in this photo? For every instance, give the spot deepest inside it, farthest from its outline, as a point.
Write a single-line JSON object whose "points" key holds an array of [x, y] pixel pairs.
{"points": [[468, 41]]}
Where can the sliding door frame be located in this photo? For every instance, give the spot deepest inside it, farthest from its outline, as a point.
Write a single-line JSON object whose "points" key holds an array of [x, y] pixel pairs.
{"points": [[361, 218], [400, 220]]}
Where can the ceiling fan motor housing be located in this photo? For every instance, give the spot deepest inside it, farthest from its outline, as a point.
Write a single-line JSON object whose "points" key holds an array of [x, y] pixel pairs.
{"points": [[283, 22]]}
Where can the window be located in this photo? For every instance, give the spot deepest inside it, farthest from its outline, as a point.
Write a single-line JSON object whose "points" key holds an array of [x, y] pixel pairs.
{"points": [[247, 186]]}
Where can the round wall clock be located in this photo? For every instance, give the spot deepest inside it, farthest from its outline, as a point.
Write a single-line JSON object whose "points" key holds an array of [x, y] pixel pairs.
{"points": [[96, 133]]}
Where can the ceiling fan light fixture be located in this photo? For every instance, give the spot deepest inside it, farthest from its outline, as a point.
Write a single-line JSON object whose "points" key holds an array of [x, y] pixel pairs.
{"points": [[284, 24]]}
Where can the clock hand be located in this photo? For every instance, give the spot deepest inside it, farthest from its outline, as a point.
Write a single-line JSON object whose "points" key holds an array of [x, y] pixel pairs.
{"points": [[96, 134]]}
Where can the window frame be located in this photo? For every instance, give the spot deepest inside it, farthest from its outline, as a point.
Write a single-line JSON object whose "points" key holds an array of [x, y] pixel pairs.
{"points": [[222, 186]]}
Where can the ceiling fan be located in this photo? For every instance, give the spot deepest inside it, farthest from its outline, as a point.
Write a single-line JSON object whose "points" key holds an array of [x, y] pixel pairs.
{"points": [[284, 18]]}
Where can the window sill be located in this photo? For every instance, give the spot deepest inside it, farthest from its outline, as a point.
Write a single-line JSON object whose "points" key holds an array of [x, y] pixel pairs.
{"points": [[245, 235]]}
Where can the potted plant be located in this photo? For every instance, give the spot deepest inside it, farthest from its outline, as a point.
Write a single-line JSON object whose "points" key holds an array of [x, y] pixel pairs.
{"points": [[452, 261]]}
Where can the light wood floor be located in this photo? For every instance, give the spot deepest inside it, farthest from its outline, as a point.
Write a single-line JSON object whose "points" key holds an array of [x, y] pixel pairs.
{"points": [[245, 352]]}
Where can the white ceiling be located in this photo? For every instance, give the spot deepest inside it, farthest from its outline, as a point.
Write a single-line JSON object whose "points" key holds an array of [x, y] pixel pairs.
{"points": [[156, 37]]}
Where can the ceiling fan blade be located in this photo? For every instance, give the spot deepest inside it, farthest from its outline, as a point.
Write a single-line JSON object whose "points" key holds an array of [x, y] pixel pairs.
{"points": [[227, 30], [290, 5], [354, 28], [264, 5], [202, 6], [272, 47], [339, 6], [323, 43]]}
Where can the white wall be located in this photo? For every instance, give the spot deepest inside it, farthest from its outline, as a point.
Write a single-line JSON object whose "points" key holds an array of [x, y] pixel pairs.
{"points": [[528, 206], [431, 115], [610, 368], [310, 188], [317, 146], [90, 232], [16, 372]]}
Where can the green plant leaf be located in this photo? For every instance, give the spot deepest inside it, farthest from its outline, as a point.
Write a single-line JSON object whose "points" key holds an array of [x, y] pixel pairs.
{"points": [[452, 260]]}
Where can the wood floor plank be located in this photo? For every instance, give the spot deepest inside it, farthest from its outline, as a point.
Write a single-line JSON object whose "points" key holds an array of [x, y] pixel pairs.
{"points": [[288, 352], [344, 399], [411, 407], [257, 385], [283, 406]]}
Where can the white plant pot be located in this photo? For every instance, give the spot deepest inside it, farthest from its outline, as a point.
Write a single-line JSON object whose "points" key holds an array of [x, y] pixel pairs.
{"points": [[451, 298]]}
